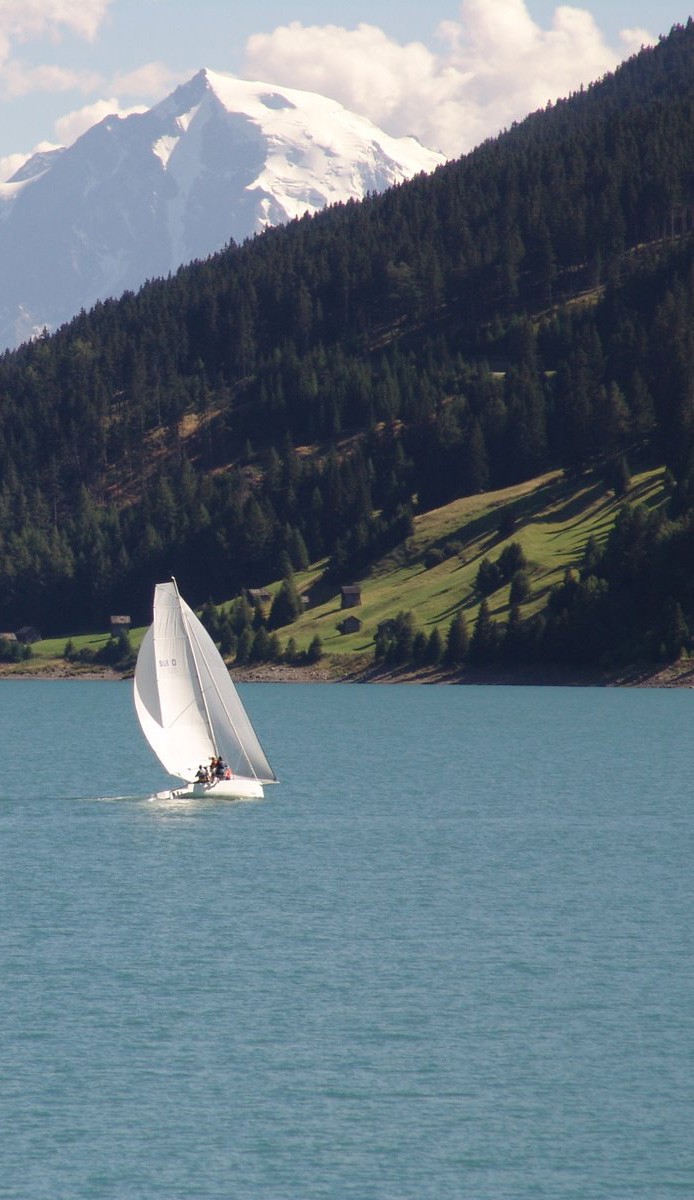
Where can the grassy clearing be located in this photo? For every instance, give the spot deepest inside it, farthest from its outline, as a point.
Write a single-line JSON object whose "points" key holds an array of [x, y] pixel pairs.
{"points": [[553, 520], [52, 648]]}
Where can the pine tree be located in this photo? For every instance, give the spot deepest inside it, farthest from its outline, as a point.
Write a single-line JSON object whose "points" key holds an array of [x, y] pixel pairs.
{"points": [[419, 648], [245, 646], [286, 606], [475, 461], [210, 619], [619, 477], [676, 631], [434, 652], [489, 577], [484, 642], [511, 559], [520, 588], [297, 550], [227, 638], [514, 639], [261, 648], [457, 641], [315, 650]]}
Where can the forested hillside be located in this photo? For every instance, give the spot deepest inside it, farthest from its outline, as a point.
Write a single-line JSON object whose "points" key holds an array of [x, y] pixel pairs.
{"points": [[527, 307]]}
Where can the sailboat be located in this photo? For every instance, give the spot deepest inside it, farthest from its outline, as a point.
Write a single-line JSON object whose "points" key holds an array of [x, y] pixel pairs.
{"points": [[189, 709]]}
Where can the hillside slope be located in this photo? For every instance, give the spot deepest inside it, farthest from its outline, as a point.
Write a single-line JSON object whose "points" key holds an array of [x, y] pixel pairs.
{"points": [[552, 520], [312, 394]]}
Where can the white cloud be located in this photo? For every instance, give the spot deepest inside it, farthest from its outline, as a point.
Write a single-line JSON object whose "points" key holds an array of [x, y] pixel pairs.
{"points": [[67, 129], [150, 81], [11, 163], [363, 68], [634, 40], [18, 79], [74, 124], [496, 65], [21, 20]]}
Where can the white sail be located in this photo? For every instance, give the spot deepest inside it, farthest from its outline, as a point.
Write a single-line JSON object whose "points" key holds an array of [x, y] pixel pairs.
{"points": [[187, 705]]}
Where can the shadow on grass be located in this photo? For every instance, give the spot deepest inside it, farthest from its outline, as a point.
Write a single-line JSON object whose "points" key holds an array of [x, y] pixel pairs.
{"points": [[598, 496], [511, 514]]}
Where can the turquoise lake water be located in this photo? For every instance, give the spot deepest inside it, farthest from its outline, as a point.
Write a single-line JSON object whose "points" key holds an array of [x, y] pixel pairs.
{"points": [[450, 956]]}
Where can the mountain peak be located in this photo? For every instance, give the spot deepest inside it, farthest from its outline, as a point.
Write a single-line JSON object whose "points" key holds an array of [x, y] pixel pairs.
{"points": [[219, 159], [37, 164]]}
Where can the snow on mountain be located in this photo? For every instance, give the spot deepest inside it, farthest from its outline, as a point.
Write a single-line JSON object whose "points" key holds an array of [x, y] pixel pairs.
{"points": [[135, 197]]}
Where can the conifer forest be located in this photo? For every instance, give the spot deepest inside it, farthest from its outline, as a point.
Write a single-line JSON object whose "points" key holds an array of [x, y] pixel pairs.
{"points": [[302, 396]]}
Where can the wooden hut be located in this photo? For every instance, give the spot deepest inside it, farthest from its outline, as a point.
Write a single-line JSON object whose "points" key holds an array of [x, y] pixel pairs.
{"points": [[351, 595]]}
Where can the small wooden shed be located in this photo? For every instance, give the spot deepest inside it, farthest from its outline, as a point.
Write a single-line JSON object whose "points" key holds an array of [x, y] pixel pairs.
{"points": [[351, 595], [350, 625]]}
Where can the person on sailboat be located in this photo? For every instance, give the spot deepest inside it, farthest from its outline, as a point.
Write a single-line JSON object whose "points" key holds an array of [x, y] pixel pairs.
{"points": [[219, 768], [203, 775]]}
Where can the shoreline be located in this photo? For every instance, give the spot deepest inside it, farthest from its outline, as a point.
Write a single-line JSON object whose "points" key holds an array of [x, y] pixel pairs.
{"points": [[673, 675]]}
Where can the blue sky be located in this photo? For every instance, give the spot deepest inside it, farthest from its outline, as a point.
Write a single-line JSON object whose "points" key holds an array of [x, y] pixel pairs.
{"points": [[450, 71]]}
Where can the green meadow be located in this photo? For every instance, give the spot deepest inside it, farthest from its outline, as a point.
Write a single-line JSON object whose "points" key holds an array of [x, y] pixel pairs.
{"points": [[552, 518]]}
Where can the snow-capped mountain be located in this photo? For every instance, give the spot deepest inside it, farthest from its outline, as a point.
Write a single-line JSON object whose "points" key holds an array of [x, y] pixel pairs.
{"points": [[136, 197]]}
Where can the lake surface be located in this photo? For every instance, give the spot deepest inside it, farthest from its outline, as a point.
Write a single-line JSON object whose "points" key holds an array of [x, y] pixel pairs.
{"points": [[450, 956]]}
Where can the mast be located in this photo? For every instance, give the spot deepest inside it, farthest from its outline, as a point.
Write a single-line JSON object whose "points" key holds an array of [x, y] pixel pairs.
{"points": [[197, 670], [222, 701]]}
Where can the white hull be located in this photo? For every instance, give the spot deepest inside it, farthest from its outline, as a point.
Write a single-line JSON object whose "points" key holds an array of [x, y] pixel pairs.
{"points": [[223, 789]]}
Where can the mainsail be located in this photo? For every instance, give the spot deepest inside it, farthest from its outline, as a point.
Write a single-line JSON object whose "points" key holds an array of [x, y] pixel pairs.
{"points": [[186, 702]]}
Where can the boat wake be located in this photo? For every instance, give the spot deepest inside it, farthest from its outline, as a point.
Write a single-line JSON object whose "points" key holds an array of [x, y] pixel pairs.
{"points": [[107, 799], [166, 799]]}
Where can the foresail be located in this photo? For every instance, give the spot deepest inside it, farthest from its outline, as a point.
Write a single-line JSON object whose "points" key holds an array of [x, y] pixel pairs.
{"points": [[147, 695], [168, 697], [236, 739]]}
